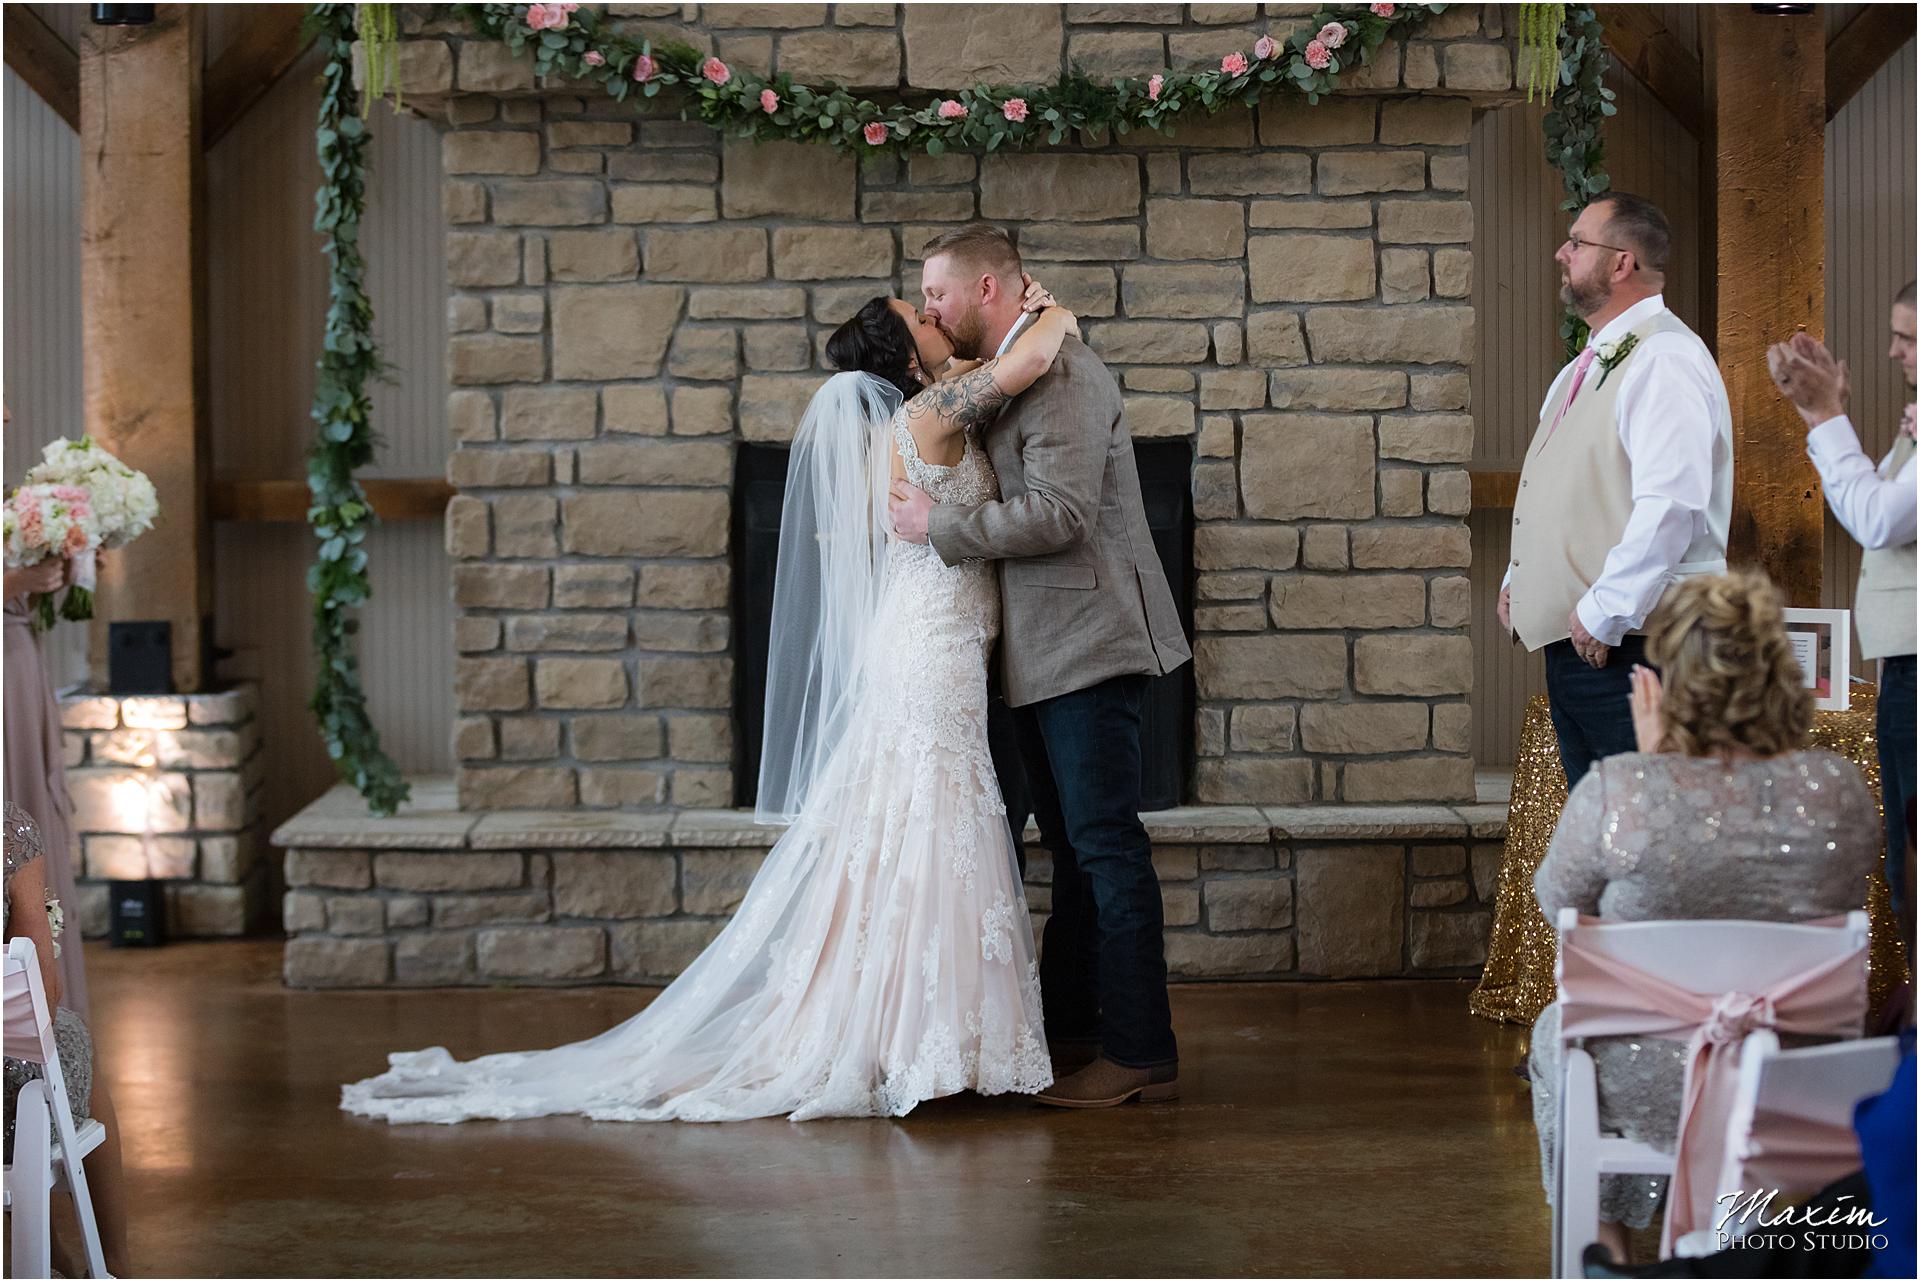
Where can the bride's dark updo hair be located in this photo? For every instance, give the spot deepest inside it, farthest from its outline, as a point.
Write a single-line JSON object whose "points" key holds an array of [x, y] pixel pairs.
{"points": [[878, 342]]}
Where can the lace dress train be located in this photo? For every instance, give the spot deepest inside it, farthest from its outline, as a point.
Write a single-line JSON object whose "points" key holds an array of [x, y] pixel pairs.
{"points": [[883, 954]]}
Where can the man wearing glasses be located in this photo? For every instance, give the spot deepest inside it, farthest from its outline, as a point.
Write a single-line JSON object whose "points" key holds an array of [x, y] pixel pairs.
{"points": [[1628, 483]]}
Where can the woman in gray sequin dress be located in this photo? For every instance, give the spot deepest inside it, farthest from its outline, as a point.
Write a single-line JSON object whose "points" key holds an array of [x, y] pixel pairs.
{"points": [[23, 911], [1720, 815]]}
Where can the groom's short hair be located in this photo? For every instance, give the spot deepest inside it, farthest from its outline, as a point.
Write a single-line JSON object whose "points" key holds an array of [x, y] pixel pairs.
{"points": [[978, 247]]}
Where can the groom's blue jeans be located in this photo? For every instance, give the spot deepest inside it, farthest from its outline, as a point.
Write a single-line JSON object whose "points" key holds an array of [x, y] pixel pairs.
{"points": [[1103, 967]]}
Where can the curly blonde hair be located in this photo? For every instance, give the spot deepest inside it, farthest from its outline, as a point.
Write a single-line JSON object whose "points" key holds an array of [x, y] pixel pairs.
{"points": [[1729, 677]]}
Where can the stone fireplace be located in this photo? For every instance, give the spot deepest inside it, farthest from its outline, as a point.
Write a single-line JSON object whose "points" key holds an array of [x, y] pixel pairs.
{"points": [[634, 300]]}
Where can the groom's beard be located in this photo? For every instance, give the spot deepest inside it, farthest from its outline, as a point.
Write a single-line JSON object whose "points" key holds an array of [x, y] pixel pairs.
{"points": [[967, 334]]}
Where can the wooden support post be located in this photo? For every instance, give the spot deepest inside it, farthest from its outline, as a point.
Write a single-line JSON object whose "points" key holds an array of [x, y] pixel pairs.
{"points": [[1766, 90], [142, 289]]}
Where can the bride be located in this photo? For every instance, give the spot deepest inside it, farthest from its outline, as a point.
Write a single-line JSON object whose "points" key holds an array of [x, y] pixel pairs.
{"points": [[882, 955]]}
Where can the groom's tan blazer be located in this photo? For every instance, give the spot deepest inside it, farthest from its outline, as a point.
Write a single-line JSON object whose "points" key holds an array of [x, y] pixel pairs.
{"points": [[1082, 594]]}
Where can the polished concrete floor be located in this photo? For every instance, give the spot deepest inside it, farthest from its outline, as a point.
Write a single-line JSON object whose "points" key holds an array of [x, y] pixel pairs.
{"points": [[1367, 1129]]}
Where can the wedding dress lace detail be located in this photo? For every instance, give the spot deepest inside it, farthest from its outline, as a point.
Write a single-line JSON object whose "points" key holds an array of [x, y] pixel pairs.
{"points": [[883, 954]]}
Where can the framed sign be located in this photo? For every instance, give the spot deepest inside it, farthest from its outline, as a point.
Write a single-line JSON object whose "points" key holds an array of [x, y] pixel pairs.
{"points": [[1822, 640]]}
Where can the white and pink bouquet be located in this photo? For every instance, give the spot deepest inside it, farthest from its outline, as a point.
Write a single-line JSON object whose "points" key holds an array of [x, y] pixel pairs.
{"points": [[76, 501]]}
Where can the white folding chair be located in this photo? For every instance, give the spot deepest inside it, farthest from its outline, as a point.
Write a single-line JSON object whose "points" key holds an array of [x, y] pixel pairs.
{"points": [[48, 1148], [1701, 957], [1791, 1129]]}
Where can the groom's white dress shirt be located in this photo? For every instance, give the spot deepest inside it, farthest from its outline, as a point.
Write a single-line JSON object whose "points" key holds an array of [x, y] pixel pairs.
{"points": [[1671, 398]]}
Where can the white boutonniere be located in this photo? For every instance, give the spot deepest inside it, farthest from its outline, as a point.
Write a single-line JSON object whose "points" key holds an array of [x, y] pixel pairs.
{"points": [[1611, 354], [56, 922]]}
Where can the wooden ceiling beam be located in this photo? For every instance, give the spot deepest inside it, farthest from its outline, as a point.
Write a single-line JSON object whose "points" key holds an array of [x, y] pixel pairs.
{"points": [[43, 60], [251, 65], [1862, 47], [1669, 70]]}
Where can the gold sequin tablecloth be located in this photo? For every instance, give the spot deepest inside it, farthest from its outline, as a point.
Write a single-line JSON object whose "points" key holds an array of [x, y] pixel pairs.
{"points": [[1517, 982]]}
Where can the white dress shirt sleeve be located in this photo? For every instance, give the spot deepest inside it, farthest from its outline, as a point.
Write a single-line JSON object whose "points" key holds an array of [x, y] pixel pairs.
{"points": [[1877, 512], [1666, 416]]}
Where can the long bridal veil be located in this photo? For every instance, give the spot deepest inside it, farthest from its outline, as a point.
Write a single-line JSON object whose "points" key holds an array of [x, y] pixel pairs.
{"points": [[826, 590]]}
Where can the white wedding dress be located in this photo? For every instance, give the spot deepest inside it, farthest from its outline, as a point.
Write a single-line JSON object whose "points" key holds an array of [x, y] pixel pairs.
{"points": [[883, 954]]}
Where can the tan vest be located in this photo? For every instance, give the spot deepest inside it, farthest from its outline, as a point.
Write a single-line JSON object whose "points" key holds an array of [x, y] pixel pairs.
{"points": [[1576, 494], [1883, 603]]}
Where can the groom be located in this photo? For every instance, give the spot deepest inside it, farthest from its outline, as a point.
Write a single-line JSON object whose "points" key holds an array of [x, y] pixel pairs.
{"points": [[1087, 621]]}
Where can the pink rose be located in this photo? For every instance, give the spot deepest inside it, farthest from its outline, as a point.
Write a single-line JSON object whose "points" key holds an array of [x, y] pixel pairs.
{"points": [[1234, 64], [76, 537], [1014, 109], [1906, 421], [1154, 86], [594, 58], [1264, 48], [1333, 35], [1319, 57], [643, 68], [549, 17], [769, 101], [952, 109], [1381, 10], [716, 71], [875, 133]]}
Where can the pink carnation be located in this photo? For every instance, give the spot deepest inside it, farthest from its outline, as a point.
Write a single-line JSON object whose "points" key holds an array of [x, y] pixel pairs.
{"points": [[1381, 10], [715, 70], [1234, 64], [952, 109], [1319, 57], [643, 67], [876, 133], [594, 58], [769, 101], [1014, 109], [1154, 86], [1264, 48], [1333, 35]]}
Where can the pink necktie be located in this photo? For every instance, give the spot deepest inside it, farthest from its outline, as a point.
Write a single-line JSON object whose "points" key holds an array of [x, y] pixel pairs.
{"points": [[1580, 368]]}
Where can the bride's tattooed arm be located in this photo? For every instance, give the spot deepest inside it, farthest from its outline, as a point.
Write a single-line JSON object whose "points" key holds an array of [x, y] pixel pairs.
{"points": [[972, 400]]}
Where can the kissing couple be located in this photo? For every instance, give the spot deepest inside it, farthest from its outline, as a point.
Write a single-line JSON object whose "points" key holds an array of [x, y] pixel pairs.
{"points": [[966, 477]]}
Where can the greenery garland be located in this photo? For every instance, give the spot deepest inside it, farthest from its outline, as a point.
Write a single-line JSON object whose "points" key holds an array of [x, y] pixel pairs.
{"points": [[569, 42], [1580, 102], [340, 514]]}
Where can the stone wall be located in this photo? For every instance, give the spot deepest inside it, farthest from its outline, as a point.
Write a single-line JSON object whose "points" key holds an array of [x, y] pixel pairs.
{"points": [[168, 787], [441, 897], [632, 296]]}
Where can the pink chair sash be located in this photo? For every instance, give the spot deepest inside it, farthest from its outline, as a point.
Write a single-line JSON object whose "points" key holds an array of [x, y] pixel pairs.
{"points": [[22, 1028], [1606, 997]]}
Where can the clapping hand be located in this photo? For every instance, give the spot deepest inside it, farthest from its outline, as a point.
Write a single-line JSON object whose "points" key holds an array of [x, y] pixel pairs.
{"points": [[1808, 375], [1649, 725]]}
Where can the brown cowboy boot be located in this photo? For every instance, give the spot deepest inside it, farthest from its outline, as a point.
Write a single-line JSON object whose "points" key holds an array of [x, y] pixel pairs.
{"points": [[1105, 1084]]}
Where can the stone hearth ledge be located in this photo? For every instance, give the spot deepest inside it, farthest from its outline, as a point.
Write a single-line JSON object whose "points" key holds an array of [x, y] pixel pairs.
{"points": [[430, 821]]}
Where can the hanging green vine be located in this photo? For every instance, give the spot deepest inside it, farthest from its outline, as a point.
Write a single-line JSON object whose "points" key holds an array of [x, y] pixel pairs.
{"points": [[1580, 101], [379, 50], [1540, 27], [569, 41], [344, 439]]}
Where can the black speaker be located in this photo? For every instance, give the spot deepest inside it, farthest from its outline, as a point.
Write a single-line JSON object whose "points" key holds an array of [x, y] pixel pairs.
{"points": [[140, 657], [122, 15], [137, 913]]}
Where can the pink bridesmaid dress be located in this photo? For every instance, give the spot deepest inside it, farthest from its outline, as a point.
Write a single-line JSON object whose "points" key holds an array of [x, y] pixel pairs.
{"points": [[37, 783]]}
